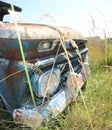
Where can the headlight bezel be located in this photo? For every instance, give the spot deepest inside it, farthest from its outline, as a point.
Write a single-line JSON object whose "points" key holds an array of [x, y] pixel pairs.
{"points": [[39, 87]]}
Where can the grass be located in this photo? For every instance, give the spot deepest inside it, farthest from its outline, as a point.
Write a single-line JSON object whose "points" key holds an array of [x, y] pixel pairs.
{"points": [[98, 98], [109, 54]]}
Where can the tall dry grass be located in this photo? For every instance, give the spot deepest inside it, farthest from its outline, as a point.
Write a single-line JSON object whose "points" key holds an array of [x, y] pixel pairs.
{"points": [[109, 54], [100, 53]]}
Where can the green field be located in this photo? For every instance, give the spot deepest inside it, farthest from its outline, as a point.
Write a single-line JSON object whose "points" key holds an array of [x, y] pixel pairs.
{"points": [[93, 108]]}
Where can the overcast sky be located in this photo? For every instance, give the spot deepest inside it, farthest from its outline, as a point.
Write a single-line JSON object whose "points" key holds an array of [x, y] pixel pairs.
{"points": [[90, 17]]}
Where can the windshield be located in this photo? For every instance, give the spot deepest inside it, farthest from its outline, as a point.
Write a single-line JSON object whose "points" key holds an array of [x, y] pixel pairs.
{"points": [[15, 16]]}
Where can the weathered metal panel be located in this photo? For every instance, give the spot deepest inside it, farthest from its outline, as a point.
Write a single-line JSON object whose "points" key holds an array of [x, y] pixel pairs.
{"points": [[36, 31]]}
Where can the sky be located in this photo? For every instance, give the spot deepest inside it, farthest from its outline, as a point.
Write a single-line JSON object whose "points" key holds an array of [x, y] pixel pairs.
{"points": [[89, 17]]}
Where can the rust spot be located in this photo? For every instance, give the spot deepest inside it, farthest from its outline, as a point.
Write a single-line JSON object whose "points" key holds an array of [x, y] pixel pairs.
{"points": [[14, 81]]}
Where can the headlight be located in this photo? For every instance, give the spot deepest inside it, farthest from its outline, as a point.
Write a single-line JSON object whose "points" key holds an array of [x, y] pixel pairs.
{"points": [[47, 83]]}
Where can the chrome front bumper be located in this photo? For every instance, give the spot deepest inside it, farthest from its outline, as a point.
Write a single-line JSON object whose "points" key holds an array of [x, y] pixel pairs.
{"points": [[34, 117]]}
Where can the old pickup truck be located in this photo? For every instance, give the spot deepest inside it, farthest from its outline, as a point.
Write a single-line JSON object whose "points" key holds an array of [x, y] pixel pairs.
{"points": [[42, 68]]}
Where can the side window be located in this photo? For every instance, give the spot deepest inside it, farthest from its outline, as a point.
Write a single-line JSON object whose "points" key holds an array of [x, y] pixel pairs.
{"points": [[12, 16], [6, 18], [15, 16]]}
